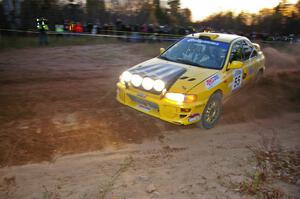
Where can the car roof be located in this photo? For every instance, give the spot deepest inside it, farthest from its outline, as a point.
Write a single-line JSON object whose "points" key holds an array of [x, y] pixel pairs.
{"points": [[228, 38]]}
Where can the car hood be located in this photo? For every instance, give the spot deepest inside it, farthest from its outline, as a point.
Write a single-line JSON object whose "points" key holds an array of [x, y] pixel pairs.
{"points": [[179, 78]]}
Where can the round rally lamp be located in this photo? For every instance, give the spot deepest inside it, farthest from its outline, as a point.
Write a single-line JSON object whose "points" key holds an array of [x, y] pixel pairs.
{"points": [[136, 80], [148, 83], [159, 85], [126, 76]]}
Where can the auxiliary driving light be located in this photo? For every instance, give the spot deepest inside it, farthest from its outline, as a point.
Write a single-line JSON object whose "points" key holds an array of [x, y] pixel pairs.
{"points": [[136, 80], [159, 85], [126, 76], [148, 83]]}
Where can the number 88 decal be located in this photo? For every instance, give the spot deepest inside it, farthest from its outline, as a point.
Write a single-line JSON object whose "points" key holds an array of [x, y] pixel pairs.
{"points": [[237, 78]]}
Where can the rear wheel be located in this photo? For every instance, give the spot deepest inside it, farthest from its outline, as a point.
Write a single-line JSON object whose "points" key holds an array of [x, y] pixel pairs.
{"points": [[212, 111]]}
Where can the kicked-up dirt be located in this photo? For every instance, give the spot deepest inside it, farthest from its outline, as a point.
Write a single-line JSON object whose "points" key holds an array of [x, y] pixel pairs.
{"points": [[61, 101]]}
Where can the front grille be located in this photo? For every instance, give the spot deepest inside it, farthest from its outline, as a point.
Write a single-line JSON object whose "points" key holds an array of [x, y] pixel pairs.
{"points": [[143, 102], [152, 91]]}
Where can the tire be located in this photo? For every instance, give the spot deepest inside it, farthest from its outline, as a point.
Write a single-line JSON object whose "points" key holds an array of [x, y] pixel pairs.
{"points": [[212, 111]]}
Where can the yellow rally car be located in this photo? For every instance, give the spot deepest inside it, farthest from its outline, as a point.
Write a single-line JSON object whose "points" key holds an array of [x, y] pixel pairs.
{"points": [[188, 82]]}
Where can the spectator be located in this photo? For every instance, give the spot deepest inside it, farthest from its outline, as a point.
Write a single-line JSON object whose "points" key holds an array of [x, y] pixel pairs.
{"points": [[42, 28]]}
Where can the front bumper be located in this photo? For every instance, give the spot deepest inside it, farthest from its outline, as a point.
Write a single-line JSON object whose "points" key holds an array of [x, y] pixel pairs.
{"points": [[162, 108]]}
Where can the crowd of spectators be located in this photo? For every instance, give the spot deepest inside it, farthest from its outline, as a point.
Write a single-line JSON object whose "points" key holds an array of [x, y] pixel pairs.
{"points": [[133, 32], [158, 32]]}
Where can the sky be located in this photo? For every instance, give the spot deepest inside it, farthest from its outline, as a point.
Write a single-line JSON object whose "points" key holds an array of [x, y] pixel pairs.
{"points": [[203, 8]]}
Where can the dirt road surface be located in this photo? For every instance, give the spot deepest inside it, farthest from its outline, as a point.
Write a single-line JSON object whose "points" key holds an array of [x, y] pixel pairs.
{"points": [[63, 135]]}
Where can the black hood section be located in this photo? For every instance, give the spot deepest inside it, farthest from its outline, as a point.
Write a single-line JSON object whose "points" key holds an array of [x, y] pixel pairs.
{"points": [[168, 73]]}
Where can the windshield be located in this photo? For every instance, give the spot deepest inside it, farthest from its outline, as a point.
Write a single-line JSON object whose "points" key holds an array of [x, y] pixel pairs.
{"points": [[198, 52]]}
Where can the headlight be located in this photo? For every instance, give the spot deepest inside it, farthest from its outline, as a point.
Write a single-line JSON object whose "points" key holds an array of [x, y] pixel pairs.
{"points": [[148, 83], [159, 85], [180, 98], [126, 76], [136, 80], [177, 97]]}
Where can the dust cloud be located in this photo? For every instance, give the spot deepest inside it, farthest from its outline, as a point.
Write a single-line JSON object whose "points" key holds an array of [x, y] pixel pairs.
{"points": [[276, 93]]}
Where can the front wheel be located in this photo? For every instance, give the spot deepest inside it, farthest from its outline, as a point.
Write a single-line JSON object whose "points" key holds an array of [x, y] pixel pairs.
{"points": [[212, 111]]}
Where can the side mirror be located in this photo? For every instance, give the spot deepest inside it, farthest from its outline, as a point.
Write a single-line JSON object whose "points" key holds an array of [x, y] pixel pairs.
{"points": [[162, 50], [236, 65]]}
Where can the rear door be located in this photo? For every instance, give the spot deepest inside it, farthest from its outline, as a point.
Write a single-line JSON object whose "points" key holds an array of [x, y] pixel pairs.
{"points": [[250, 60]]}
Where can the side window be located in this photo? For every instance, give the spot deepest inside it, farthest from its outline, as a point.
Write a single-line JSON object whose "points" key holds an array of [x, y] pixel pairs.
{"points": [[237, 52], [254, 54], [249, 50]]}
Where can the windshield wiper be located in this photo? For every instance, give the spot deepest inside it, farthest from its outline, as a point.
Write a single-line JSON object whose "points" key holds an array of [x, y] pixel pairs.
{"points": [[184, 61]]}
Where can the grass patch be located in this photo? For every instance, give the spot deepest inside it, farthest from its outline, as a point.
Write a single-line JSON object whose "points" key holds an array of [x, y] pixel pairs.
{"points": [[272, 164], [32, 41], [50, 195], [108, 186]]}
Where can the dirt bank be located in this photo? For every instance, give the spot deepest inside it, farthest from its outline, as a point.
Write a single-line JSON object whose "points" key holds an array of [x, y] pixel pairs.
{"points": [[182, 164], [57, 101]]}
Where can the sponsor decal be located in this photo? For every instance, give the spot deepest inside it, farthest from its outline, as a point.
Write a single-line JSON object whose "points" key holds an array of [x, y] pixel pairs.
{"points": [[195, 118], [143, 108], [213, 81], [237, 76], [212, 43], [250, 70]]}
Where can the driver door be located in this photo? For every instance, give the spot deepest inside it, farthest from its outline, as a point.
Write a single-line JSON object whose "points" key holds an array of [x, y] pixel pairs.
{"points": [[239, 76]]}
